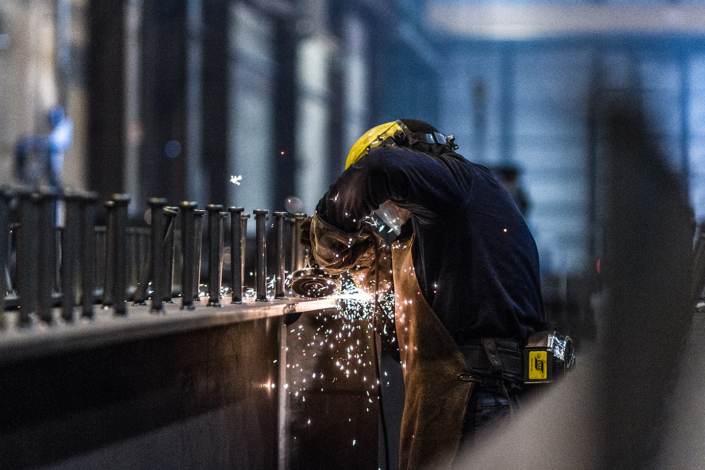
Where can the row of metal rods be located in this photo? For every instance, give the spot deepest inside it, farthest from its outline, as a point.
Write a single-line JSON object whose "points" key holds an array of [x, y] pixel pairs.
{"points": [[37, 258]]}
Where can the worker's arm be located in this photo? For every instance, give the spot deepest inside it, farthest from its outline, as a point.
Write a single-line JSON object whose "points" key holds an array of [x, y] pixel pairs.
{"points": [[416, 182]]}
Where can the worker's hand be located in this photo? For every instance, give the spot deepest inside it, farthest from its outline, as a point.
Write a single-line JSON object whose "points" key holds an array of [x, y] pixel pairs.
{"points": [[306, 232], [335, 250]]}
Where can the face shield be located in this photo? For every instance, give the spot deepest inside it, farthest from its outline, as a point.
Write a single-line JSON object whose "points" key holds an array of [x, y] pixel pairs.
{"points": [[392, 216]]}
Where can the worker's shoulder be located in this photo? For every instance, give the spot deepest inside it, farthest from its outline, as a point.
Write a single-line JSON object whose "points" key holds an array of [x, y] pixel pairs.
{"points": [[480, 167], [390, 156], [386, 156]]}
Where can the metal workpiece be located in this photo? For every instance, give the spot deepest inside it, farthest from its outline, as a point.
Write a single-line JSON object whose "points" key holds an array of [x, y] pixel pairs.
{"points": [[46, 246], [131, 234], [171, 214], [297, 248], [109, 256], [70, 254], [142, 287], [145, 237], [138, 241], [215, 253], [6, 197], [145, 275], [66, 276], [157, 206], [261, 254], [223, 223], [147, 269], [101, 237], [141, 324], [198, 242], [279, 258], [120, 282], [289, 230], [88, 252], [236, 254], [188, 253], [27, 257], [243, 220]]}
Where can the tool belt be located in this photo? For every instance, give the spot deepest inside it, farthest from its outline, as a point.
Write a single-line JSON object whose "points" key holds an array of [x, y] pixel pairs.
{"points": [[542, 358], [494, 360]]}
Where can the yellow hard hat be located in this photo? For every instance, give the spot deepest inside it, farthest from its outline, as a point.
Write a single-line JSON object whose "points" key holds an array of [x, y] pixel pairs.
{"points": [[371, 139], [405, 132]]}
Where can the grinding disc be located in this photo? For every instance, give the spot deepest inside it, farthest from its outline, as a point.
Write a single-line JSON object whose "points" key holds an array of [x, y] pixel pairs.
{"points": [[314, 282]]}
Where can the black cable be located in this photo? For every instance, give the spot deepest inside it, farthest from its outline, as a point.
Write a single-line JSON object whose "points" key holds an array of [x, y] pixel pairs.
{"points": [[383, 422]]}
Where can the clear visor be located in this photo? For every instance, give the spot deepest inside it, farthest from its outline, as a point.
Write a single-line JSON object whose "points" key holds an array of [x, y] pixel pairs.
{"points": [[392, 216]]}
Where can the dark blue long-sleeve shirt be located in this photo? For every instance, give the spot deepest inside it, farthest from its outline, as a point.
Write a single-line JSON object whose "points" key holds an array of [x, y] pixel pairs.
{"points": [[474, 255]]}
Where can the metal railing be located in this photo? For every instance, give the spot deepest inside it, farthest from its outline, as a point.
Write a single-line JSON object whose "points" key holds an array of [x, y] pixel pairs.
{"points": [[81, 265]]}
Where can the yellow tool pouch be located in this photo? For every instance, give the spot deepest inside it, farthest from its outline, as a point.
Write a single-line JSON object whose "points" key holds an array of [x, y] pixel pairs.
{"points": [[547, 356]]}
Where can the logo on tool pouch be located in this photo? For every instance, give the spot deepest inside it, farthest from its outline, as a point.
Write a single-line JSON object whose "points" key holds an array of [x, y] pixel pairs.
{"points": [[538, 362]]}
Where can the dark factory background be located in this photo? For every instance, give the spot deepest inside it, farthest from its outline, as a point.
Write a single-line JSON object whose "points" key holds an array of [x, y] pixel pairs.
{"points": [[276, 91], [173, 98]]}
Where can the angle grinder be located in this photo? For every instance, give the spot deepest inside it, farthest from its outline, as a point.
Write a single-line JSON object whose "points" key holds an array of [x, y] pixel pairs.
{"points": [[315, 282]]}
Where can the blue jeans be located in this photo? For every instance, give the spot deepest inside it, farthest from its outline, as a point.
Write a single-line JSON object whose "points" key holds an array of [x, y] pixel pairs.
{"points": [[486, 409]]}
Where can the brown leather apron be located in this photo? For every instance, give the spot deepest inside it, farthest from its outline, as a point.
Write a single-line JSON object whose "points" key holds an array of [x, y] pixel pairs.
{"points": [[436, 377]]}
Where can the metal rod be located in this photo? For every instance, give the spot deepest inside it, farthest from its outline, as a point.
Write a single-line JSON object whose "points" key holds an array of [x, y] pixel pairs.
{"points": [[100, 247], [198, 240], [215, 250], [298, 247], [236, 257], [261, 254], [120, 289], [188, 248], [109, 256], [147, 274], [70, 255], [143, 247], [244, 219], [56, 240], [279, 259], [142, 288], [291, 253], [88, 253], [27, 258], [46, 251], [223, 219], [157, 206], [170, 213], [133, 256], [5, 200]]}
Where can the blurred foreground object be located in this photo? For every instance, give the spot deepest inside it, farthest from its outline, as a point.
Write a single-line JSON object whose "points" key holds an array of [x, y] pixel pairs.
{"points": [[612, 413]]}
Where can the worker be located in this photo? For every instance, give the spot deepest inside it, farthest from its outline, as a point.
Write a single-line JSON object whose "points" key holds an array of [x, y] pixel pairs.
{"points": [[39, 159], [464, 278]]}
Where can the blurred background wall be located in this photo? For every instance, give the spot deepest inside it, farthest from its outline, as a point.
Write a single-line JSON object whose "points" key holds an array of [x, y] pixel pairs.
{"points": [[172, 98]]}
